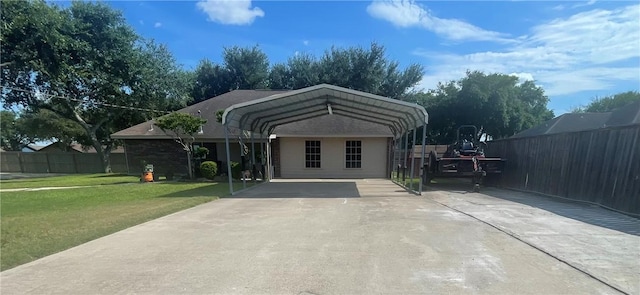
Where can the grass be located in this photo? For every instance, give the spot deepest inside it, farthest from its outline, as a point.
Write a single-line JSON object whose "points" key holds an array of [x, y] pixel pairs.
{"points": [[69, 180], [39, 223], [407, 181]]}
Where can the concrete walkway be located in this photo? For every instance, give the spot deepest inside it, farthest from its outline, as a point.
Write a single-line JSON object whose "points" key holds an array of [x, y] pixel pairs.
{"points": [[19, 175], [335, 243], [33, 189]]}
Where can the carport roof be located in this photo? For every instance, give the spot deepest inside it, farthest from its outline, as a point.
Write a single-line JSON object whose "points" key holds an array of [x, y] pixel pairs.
{"points": [[263, 115]]}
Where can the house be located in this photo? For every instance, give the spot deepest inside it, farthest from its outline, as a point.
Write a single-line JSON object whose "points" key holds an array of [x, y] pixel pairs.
{"points": [[322, 131], [30, 148], [575, 122]]}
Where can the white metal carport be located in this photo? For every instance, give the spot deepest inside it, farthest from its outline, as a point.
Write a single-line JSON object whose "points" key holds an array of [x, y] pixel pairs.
{"points": [[261, 116]]}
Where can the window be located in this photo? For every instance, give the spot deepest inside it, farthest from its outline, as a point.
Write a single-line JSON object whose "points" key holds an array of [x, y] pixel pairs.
{"points": [[312, 153], [353, 154]]}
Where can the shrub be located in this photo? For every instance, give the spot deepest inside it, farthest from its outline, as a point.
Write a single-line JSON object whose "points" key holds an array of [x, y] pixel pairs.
{"points": [[201, 152], [209, 169]]}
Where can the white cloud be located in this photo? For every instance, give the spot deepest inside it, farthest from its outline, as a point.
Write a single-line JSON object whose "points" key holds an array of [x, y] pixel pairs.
{"points": [[230, 12], [408, 13], [305, 42], [157, 25], [588, 3], [591, 50]]}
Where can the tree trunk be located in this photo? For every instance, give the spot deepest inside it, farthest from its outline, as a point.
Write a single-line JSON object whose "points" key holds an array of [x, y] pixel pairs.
{"points": [[103, 153], [106, 160], [189, 163]]}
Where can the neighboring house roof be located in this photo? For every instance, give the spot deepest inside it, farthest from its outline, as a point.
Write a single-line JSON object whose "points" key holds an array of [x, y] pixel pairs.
{"points": [[325, 125], [627, 115], [58, 147], [32, 148], [574, 122], [207, 108]]}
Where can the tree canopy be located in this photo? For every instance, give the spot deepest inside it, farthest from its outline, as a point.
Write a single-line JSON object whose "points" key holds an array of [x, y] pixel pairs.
{"points": [[76, 61], [609, 103], [12, 135], [364, 69], [498, 103]]}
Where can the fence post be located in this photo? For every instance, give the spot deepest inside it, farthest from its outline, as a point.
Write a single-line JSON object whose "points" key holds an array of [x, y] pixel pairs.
{"points": [[48, 164], [20, 163], [75, 163]]}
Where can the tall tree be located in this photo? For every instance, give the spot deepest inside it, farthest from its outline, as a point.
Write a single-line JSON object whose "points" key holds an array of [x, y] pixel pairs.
{"points": [[242, 68], [182, 128], [160, 82], [12, 135], [609, 103], [248, 67], [76, 61], [280, 77], [364, 69], [368, 70], [46, 125], [210, 80], [495, 102], [304, 71]]}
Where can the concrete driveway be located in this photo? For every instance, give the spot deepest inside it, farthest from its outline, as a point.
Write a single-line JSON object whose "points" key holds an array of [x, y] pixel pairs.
{"points": [[331, 241]]}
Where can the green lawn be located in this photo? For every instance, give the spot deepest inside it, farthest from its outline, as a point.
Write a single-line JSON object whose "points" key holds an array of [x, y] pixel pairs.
{"points": [[39, 223], [69, 180], [407, 181]]}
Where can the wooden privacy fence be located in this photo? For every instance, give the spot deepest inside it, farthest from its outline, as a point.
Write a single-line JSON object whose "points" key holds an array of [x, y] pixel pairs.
{"points": [[59, 162], [599, 166]]}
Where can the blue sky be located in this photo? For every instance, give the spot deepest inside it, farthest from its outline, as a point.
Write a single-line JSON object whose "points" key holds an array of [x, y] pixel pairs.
{"points": [[575, 50]]}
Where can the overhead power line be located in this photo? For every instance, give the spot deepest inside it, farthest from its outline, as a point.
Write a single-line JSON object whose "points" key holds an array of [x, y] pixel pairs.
{"points": [[83, 101]]}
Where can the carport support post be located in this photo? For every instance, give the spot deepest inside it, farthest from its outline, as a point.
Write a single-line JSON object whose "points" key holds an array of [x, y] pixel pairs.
{"points": [[413, 162], [404, 159], [263, 157], [226, 140], [242, 157], [268, 170], [253, 159], [424, 136], [396, 154], [393, 159], [400, 141]]}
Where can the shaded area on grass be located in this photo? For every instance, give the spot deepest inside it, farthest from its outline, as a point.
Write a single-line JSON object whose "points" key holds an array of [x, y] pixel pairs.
{"points": [[39, 223]]}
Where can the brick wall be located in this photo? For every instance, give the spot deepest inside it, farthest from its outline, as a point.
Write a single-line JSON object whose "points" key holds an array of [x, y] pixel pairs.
{"points": [[165, 155]]}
